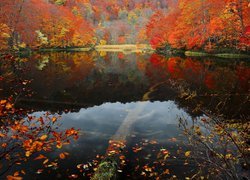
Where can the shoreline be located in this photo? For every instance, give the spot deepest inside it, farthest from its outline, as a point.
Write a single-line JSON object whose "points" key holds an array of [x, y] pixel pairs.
{"points": [[220, 55], [131, 48]]}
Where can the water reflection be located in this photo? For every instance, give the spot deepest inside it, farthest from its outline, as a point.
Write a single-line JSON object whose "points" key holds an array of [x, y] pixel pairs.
{"points": [[74, 80], [156, 122], [96, 92], [104, 120]]}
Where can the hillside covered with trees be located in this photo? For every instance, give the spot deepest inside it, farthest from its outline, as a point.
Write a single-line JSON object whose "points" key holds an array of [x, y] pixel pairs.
{"points": [[182, 24]]}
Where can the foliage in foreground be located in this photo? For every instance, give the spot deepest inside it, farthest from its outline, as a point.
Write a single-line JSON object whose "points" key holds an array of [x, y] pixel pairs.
{"points": [[24, 137], [220, 149]]}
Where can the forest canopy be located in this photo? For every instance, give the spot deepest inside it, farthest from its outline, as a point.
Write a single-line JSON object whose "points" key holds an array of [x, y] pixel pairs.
{"points": [[182, 24]]}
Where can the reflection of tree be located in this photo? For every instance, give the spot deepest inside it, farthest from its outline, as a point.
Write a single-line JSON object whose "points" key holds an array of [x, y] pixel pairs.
{"points": [[207, 81], [208, 74], [62, 71], [11, 81], [84, 78]]}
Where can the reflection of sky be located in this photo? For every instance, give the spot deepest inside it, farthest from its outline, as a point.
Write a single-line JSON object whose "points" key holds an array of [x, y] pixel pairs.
{"points": [[153, 121], [107, 117]]}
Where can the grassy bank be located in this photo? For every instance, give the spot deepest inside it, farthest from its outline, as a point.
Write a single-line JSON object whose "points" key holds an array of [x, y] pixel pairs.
{"points": [[193, 53], [65, 49], [126, 48], [228, 55], [29, 51], [221, 55]]}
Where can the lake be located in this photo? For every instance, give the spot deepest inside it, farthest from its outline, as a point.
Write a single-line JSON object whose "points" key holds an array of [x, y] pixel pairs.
{"points": [[140, 97]]}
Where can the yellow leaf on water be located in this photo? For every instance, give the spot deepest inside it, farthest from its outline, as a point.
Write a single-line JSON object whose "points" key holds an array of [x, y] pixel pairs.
{"points": [[187, 154], [46, 161], [166, 156], [43, 137], [59, 145], [27, 153], [229, 156]]}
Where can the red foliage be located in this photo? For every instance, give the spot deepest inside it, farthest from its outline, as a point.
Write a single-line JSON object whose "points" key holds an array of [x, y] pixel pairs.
{"points": [[201, 24]]}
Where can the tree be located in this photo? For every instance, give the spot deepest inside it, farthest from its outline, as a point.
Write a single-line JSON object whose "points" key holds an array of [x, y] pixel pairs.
{"points": [[202, 24]]}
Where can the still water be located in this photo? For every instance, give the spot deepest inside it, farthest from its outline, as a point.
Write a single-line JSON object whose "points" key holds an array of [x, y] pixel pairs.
{"points": [[98, 92]]}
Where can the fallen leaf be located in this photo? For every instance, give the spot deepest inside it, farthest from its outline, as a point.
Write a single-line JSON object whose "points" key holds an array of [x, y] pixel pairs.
{"points": [[73, 176], [54, 119], [39, 171], [46, 161], [16, 174], [40, 157], [3, 102], [43, 137], [59, 145], [14, 178], [62, 156], [27, 153], [187, 153], [166, 171]]}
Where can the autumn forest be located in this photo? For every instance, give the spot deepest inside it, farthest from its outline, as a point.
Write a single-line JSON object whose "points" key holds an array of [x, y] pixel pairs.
{"points": [[125, 89], [183, 24]]}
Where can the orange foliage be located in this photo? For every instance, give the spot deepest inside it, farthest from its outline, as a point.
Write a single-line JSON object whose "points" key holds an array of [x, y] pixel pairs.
{"points": [[202, 24], [21, 138], [42, 24]]}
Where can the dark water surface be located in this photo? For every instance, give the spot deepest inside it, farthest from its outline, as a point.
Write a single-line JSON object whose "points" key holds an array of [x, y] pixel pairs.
{"points": [[97, 92]]}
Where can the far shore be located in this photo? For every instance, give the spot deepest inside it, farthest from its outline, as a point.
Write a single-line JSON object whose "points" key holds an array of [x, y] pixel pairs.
{"points": [[127, 49], [220, 55]]}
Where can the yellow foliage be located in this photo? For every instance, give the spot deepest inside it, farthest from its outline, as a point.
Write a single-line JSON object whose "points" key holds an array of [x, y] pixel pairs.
{"points": [[4, 36], [103, 42], [188, 153]]}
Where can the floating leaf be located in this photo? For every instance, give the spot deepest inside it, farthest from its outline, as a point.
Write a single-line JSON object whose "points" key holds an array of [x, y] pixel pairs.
{"points": [[40, 157], [59, 145], [3, 102], [27, 153], [14, 178], [8, 106], [46, 161], [73, 176], [166, 171], [187, 153], [43, 137], [79, 166], [39, 171], [16, 174], [54, 119], [62, 156]]}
